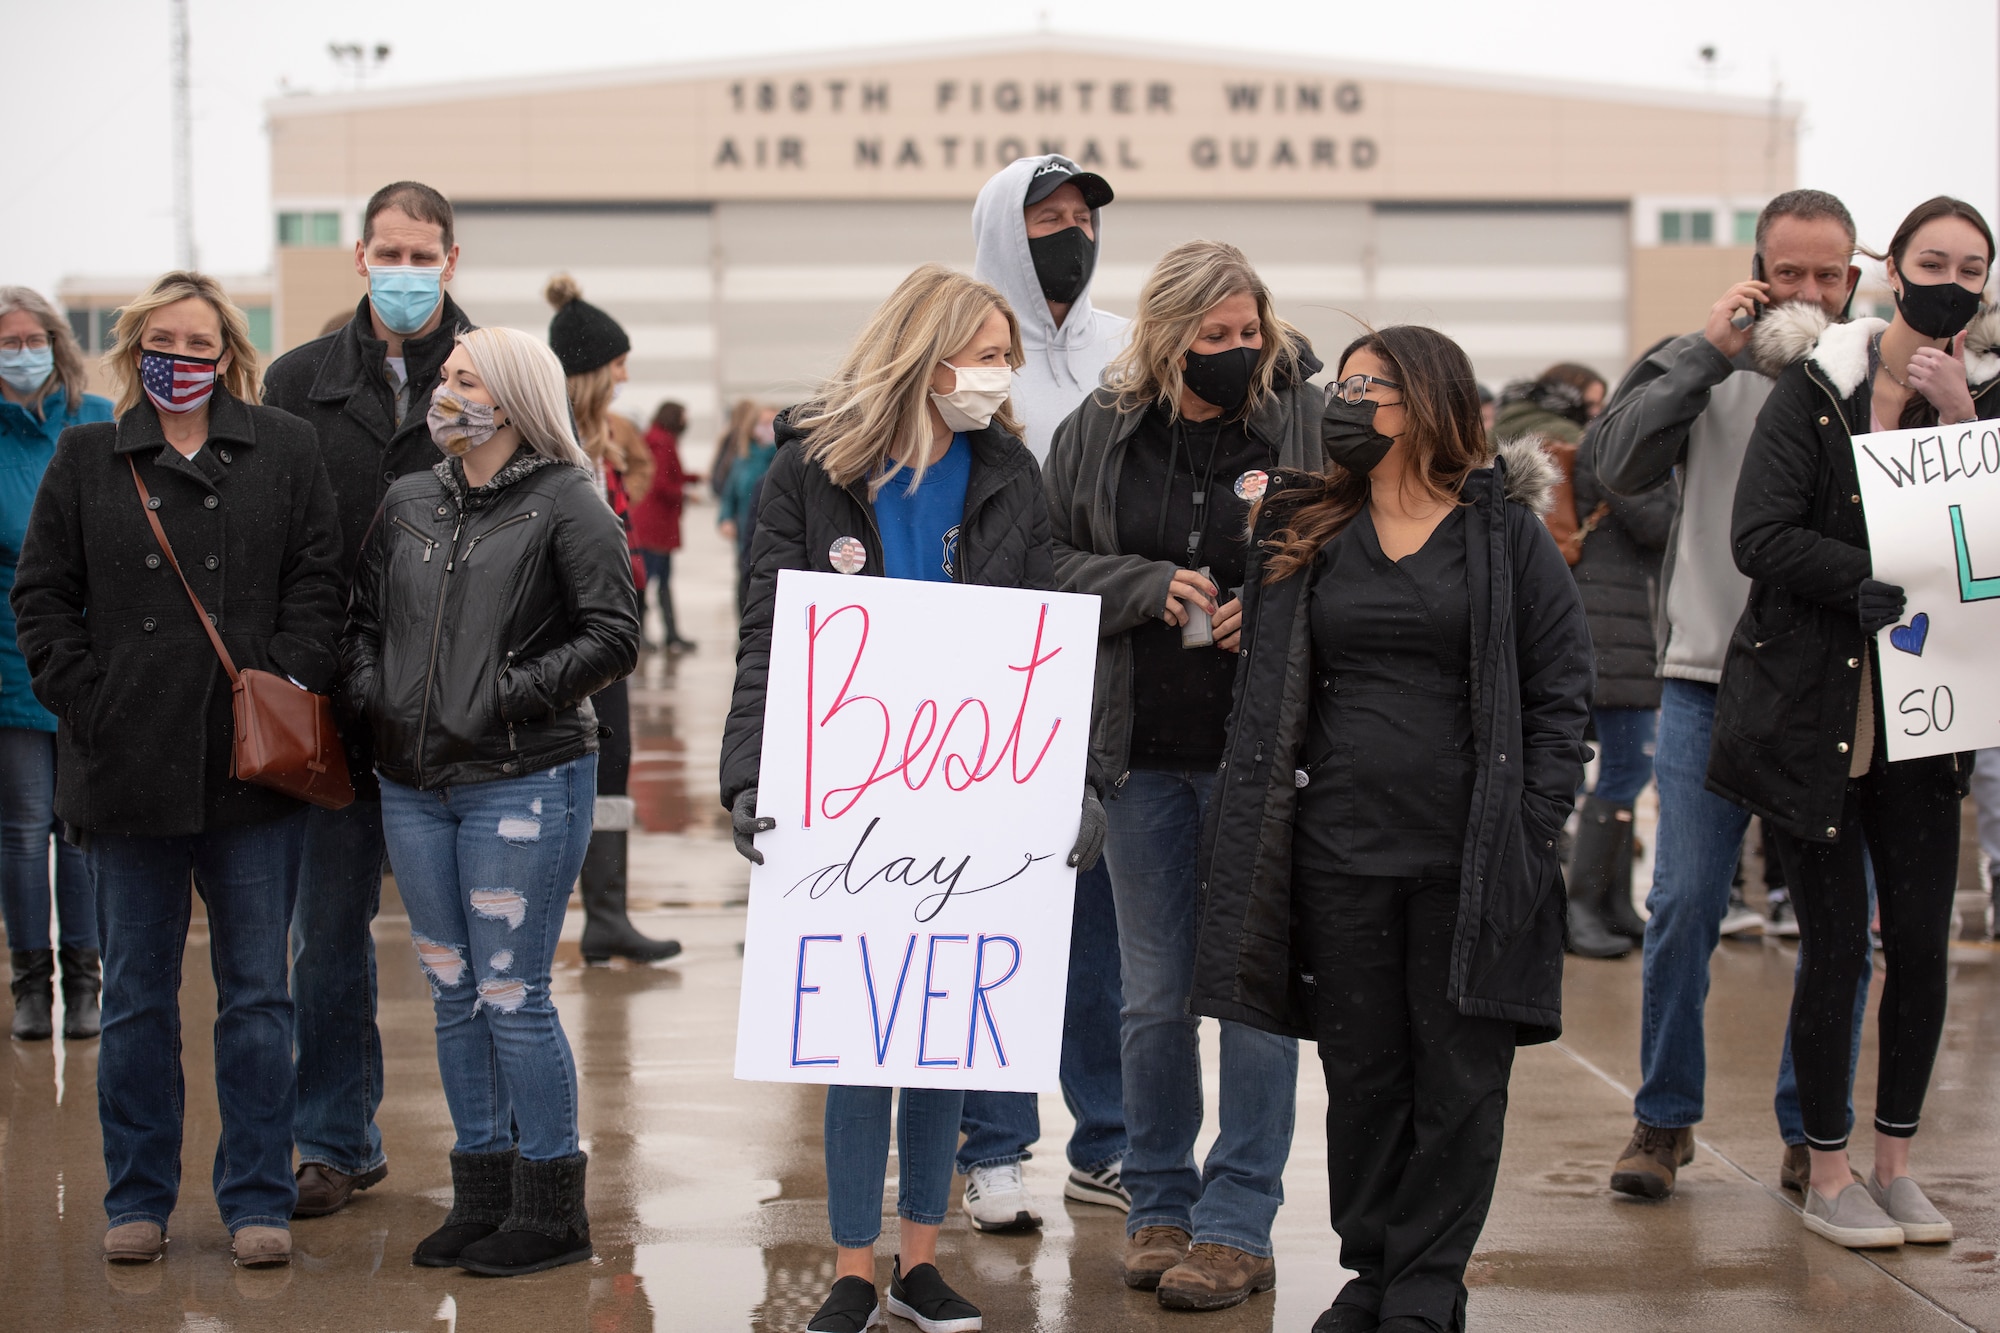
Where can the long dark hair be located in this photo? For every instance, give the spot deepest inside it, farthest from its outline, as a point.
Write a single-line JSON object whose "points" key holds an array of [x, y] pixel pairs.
{"points": [[1441, 407], [671, 417], [1917, 409]]}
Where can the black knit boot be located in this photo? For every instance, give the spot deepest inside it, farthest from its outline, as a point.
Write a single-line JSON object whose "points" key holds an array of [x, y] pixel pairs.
{"points": [[607, 930], [1590, 876], [1607, 833], [546, 1228], [82, 981], [482, 1190], [34, 993]]}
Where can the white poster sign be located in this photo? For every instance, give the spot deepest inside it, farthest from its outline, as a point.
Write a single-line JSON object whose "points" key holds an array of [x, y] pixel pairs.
{"points": [[924, 748], [1932, 497]]}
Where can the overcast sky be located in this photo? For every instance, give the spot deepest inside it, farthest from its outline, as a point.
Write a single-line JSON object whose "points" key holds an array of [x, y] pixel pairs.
{"points": [[1899, 99]]}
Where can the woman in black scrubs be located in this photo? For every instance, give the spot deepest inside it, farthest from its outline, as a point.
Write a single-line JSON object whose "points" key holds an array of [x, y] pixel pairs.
{"points": [[1382, 872]]}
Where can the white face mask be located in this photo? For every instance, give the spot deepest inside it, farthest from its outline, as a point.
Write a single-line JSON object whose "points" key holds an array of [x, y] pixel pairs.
{"points": [[980, 391]]}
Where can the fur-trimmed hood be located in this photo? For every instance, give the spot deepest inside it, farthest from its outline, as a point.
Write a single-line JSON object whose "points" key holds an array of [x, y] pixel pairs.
{"points": [[1531, 474], [1801, 331]]}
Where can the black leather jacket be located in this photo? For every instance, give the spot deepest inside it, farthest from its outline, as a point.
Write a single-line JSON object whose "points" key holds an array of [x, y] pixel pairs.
{"points": [[482, 622]]}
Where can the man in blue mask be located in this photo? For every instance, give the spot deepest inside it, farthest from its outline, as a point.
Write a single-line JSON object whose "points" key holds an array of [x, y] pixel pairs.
{"points": [[365, 388]]}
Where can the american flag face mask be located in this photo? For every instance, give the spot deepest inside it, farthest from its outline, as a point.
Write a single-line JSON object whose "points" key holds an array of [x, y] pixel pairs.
{"points": [[177, 383]]}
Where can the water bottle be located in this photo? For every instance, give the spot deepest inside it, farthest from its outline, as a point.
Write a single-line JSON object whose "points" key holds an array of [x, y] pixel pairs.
{"points": [[1197, 632]]}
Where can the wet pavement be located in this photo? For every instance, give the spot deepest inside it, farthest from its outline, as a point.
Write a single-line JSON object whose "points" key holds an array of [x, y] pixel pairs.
{"points": [[707, 1201]]}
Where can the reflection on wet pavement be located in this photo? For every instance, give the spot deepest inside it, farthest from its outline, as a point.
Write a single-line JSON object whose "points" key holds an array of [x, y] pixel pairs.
{"points": [[708, 1205]]}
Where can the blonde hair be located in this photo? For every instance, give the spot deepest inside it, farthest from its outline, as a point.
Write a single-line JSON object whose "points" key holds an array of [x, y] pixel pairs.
{"points": [[1189, 281], [69, 374], [526, 380], [590, 403], [243, 380], [731, 444], [877, 405]]}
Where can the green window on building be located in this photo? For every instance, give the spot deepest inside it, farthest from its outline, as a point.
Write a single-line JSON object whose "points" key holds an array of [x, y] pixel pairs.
{"points": [[309, 229], [1746, 227], [1701, 227], [106, 321], [260, 326], [79, 324], [1670, 228]]}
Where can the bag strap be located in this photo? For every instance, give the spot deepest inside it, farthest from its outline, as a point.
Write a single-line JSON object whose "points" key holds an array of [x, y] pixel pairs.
{"points": [[160, 535]]}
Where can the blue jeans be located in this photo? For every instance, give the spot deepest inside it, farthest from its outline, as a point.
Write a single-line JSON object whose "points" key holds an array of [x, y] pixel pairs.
{"points": [[1625, 738], [1153, 841], [27, 821], [1001, 1126], [247, 878], [337, 1045], [857, 1157], [485, 872]]}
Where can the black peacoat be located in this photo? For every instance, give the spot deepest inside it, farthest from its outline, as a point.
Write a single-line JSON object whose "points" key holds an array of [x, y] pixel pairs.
{"points": [[144, 731]]}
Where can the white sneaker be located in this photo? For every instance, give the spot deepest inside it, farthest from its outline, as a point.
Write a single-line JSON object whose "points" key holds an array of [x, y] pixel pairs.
{"points": [[1740, 920], [996, 1199], [1099, 1186], [1907, 1207], [1854, 1219]]}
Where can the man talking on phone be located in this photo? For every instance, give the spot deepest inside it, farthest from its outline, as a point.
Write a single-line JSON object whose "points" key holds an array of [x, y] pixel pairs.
{"points": [[1687, 410]]}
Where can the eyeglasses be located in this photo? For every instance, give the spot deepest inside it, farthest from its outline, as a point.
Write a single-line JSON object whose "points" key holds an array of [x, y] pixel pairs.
{"points": [[35, 342], [1355, 387]]}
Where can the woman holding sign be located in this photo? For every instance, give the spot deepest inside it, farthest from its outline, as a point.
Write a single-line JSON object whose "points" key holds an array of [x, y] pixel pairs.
{"points": [[1799, 722], [1382, 868], [1150, 482], [908, 464]]}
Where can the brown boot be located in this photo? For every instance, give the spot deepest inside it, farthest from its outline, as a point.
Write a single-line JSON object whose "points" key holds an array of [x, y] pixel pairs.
{"points": [[1151, 1251], [134, 1243], [1651, 1160], [1795, 1172], [1215, 1277], [323, 1190]]}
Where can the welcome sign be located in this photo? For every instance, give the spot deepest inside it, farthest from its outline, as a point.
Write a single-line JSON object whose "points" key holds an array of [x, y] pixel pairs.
{"points": [[1932, 496], [924, 748]]}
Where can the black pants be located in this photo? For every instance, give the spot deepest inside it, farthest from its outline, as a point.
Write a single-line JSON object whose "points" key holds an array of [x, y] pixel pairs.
{"points": [[1905, 818], [614, 752], [1416, 1091]]}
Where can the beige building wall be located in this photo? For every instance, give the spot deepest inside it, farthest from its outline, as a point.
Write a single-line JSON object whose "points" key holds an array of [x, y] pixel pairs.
{"points": [[314, 284], [1674, 287]]}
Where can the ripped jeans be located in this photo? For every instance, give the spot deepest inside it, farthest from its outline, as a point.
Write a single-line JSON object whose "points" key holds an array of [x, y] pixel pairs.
{"points": [[485, 872]]}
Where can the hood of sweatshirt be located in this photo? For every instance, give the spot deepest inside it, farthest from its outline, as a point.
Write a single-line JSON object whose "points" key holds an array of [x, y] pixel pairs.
{"points": [[1063, 362]]}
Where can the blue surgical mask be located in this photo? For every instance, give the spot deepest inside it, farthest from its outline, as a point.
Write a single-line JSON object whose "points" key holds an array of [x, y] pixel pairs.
{"points": [[28, 369], [404, 295]]}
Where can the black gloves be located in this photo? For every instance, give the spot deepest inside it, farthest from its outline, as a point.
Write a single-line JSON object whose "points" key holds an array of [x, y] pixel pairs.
{"points": [[1879, 605], [1089, 834], [746, 826]]}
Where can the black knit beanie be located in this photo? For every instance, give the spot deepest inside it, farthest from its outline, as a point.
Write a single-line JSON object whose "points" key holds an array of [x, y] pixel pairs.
{"points": [[583, 337]]}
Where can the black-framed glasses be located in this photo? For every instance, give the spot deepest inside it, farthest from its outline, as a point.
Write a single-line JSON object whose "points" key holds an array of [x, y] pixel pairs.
{"points": [[34, 342], [1355, 387]]}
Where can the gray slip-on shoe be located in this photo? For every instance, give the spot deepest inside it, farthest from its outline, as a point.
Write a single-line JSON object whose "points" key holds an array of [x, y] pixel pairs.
{"points": [[1906, 1205], [1853, 1220]]}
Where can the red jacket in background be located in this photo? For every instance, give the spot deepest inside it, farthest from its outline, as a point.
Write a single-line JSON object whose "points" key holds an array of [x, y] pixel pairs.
{"points": [[656, 522]]}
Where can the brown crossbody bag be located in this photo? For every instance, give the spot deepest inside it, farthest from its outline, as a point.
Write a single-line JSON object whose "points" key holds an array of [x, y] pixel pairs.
{"points": [[285, 735]]}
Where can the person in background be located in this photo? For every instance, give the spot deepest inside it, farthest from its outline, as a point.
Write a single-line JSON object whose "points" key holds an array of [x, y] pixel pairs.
{"points": [[1986, 796], [1150, 484], [363, 389], [41, 395], [1813, 761], [737, 516], [592, 347], [733, 443], [476, 682], [146, 737], [1037, 228], [656, 521], [910, 451], [1395, 799], [1684, 414], [1489, 408]]}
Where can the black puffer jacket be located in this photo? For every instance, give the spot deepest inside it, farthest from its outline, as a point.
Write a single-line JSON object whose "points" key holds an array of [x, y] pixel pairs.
{"points": [[483, 621], [1786, 710], [145, 731], [1002, 543], [1531, 696], [1619, 576]]}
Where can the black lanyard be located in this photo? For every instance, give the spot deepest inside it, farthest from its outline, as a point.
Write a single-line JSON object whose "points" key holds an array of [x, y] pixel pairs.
{"points": [[1193, 560]]}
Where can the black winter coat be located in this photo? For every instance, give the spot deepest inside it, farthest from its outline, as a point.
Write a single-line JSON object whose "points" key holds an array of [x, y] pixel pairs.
{"points": [[483, 622], [1003, 542], [1619, 577], [145, 733], [1531, 696], [1786, 710]]}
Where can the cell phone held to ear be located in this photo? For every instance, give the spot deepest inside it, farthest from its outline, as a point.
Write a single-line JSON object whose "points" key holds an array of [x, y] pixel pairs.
{"points": [[1743, 319]]}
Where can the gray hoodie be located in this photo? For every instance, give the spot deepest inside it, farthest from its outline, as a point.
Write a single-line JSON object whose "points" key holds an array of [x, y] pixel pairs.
{"points": [[1063, 364]]}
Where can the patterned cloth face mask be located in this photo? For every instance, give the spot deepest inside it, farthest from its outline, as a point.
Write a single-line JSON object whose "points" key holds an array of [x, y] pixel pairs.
{"points": [[458, 425]]}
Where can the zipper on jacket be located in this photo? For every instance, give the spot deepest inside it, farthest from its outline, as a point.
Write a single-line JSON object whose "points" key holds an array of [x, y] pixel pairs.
{"points": [[503, 671], [518, 518], [430, 667], [430, 543]]}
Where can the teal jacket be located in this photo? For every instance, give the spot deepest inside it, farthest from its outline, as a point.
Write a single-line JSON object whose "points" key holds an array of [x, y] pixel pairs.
{"points": [[26, 445]]}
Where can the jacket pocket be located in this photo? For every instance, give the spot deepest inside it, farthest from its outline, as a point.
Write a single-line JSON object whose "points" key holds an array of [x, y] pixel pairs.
{"points": [[1759, 683]]}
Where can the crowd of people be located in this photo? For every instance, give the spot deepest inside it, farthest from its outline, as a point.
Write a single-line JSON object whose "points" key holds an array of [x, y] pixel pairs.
{"points": [[1359, 646]]}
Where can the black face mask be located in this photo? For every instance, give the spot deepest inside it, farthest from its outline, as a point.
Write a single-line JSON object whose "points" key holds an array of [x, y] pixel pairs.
{"points": [[1348, 432], [1221, 379], [1938, 309], [1063, 263]]}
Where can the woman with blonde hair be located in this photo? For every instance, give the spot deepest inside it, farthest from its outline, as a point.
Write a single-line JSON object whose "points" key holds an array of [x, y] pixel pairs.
{"points": [[908, 464], [1150, 484], [494, 598], [41, 395], [145, 735]]}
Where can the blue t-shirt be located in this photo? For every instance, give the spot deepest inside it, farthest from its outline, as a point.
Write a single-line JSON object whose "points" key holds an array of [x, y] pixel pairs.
{"points": [[920, 527]]}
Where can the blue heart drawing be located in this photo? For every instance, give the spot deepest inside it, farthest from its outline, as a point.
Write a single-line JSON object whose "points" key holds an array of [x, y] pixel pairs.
{"points": [[1910, 638]]}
